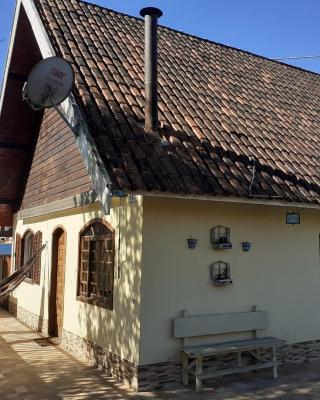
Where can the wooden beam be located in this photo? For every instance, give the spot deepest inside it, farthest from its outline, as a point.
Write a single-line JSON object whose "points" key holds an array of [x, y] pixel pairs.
{"points": [[14, 146], [6, 201], [79, 200], [17, 77]]}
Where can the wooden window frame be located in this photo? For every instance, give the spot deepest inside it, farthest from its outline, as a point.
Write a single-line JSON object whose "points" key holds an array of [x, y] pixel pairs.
{"points": [[108, 304]]}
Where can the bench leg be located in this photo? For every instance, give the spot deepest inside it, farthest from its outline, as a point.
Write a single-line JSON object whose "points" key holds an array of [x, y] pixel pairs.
{"points": [[239, 359], [274, 360], [185, 369], [199, 374]]}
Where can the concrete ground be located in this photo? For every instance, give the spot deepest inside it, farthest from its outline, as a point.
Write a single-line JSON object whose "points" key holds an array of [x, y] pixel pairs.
{"points": [[31, 372]]}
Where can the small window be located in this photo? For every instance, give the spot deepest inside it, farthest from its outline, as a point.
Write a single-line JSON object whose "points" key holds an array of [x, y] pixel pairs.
{"points": [[96, 268]]}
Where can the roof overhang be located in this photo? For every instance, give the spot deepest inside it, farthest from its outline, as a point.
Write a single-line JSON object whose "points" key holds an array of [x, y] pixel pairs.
{"points": [[232, 199], [18, 122]]}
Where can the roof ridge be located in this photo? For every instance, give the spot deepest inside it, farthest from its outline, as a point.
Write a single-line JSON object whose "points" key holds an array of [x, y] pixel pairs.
{"points": [[205, 39]]}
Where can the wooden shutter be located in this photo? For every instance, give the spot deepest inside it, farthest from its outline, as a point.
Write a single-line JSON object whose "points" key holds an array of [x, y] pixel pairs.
{"points": [[107, 269], [18, 251], [37, 243], [84, 267]]}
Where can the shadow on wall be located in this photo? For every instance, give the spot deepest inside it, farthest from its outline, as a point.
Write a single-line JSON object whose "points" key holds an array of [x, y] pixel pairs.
{"points": [[118, 330], [45, 284]]}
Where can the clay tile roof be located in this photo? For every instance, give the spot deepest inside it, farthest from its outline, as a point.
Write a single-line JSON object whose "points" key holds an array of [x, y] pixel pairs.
{"points": [[233, 123]]}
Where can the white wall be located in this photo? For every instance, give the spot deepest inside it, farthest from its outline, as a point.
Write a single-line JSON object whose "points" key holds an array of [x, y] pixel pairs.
{"points": [[281, 272], [119, 329]]}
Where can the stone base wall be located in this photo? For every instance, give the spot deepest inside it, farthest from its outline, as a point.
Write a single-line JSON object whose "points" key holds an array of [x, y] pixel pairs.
{"points": [[158, 376], [299, 352], [162, 376], [115, 366], [33, 321]]}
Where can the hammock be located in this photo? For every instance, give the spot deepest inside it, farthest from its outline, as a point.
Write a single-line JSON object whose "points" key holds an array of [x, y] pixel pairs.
{"points": [[9, 284]]}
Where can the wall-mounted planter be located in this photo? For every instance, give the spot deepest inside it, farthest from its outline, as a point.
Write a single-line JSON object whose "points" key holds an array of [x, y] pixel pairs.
{"points": [[246, 246], [220, 238], [220, 273], [192, 243]]}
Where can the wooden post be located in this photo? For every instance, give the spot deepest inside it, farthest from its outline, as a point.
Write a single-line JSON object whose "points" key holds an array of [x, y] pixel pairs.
{"points": [[199, 374]]}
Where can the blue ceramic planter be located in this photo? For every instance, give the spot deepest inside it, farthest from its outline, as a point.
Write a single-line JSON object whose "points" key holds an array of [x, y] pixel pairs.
{"points": [[246, 246], [192, 243]]}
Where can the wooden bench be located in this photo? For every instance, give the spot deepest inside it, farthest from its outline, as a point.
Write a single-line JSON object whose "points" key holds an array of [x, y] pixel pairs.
{"points": [[217, 324]]}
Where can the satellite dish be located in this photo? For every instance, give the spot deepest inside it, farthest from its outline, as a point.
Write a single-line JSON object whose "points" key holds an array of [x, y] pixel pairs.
{"points": [[49, 83]]}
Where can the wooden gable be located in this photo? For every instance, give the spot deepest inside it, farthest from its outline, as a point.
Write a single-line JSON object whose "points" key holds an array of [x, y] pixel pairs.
{"points": [[57, 169]]}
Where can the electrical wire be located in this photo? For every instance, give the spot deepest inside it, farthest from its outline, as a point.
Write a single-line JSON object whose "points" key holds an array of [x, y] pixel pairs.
{"points": [[253, 171], [295, 58]]}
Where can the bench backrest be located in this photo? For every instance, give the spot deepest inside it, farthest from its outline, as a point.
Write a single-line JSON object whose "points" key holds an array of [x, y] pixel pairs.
{"points": [[215, 324]]}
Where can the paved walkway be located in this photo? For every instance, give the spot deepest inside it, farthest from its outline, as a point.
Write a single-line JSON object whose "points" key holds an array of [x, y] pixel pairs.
{"points": [[31, 372]]}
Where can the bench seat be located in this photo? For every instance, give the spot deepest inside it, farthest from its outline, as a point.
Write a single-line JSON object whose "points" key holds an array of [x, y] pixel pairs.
{"points": [[212, 349]]}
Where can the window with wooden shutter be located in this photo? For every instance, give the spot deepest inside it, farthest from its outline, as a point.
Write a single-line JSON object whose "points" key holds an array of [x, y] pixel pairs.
{"points": [[96, 269], [36, 271], [18, 251]]}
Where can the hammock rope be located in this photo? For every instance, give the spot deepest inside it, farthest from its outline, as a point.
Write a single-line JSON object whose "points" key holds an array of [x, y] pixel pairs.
{"points": [[9, 284]]}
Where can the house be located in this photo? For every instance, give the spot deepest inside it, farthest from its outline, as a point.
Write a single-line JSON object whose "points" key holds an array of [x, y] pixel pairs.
{"points": [[115, 191], [5, 251], [6, 235]]}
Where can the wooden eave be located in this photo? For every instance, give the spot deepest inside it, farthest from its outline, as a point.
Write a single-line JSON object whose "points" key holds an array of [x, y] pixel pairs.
{"points": [[18, 123]]}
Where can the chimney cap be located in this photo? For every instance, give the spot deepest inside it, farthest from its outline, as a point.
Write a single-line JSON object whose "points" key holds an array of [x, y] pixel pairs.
{"points": [[153, 11]]}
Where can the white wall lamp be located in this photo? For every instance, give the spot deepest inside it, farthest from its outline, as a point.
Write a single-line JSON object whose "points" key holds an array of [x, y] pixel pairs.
{"points": [[293, 218]]}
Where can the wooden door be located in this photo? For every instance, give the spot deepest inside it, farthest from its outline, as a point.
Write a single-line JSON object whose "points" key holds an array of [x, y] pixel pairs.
{"points": [[56, 301]]}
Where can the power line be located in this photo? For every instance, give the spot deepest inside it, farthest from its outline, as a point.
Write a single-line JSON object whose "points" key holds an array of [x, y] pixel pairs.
{"points": [[295, 58]]}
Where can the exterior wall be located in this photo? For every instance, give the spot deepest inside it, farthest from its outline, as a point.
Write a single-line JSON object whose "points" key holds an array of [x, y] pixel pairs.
{"points": [[57, 169], [280, 274], [115, 331]]}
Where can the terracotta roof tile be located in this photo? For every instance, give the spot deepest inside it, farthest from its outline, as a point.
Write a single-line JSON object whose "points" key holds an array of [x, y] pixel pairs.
{"points": [[221, 109]]}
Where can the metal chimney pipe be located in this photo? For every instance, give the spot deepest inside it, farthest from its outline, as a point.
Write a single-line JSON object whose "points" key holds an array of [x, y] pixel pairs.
{"points": [[151, 15]]}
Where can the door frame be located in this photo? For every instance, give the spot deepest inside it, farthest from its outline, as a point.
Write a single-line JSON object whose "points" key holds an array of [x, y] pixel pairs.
{"points": [[52, 308]]}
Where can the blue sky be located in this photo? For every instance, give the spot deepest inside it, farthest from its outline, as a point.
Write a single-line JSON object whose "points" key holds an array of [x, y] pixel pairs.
{"points": [[273, 28]]}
